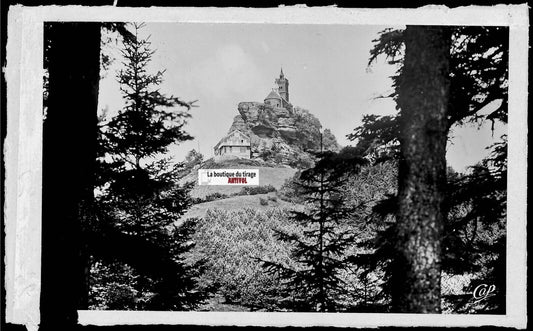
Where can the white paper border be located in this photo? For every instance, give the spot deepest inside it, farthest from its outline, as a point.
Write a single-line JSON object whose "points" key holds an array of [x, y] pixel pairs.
{"points": [[23, 164], [23, 155]]}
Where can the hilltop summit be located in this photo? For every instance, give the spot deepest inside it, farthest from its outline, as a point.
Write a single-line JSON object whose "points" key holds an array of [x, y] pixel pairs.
{"points": [[274, 131]]}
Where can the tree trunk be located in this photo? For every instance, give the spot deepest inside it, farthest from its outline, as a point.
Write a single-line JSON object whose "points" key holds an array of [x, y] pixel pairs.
{"points": [[69, 153], [423, 100]]}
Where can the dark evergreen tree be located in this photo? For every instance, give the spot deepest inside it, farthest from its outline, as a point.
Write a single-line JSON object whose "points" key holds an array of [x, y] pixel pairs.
{"points": [[423, 92], [71, 62], [377, 138], [475, 234], [139, 202], [479, 58], [319, 249], [193, 158], [66, 82], [475, 202]]}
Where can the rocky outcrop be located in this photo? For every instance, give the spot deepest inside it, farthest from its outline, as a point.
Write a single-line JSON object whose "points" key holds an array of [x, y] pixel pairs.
{"points": [[280, 135]]}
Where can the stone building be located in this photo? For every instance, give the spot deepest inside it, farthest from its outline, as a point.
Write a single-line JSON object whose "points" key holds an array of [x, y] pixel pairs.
{"points": [[279, 97], [235, 144], [238, 142]]}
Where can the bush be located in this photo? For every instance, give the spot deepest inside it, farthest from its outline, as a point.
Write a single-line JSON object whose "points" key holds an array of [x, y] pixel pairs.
{"points": [[231, 163], [210, 197], [112, 286], [301, 160], [253, 190], [215, 196], [263, 201], [290, 191]]}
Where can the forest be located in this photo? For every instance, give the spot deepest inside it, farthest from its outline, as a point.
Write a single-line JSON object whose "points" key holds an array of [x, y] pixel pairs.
{"points": [[383, 225]]}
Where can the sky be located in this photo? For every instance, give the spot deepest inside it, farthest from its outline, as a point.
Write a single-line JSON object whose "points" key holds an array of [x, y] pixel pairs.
{"points": [[327, 67]]}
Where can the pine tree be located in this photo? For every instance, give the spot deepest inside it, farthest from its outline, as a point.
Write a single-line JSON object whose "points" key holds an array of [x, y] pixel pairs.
{"points": [[319, 250], [475, 202], [475, 235], [423, 93], [139, 201], [71, 63]]}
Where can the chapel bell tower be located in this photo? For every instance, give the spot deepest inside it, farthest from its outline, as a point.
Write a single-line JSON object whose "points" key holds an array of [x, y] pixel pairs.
{"points": [[283, 86]]}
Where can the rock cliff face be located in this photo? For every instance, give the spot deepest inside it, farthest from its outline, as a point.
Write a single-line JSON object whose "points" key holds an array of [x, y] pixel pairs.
{"points": [[284, 136]]}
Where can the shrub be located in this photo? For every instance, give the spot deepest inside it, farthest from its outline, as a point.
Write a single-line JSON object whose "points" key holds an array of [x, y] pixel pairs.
{"points": [[215, 196], [290, 191], [112, 286], [210, 197], [252, 190], [301, 160], [263, 201]]}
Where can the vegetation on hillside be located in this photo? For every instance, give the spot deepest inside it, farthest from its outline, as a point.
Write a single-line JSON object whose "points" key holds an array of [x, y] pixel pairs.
{"points": [[232, 242]]}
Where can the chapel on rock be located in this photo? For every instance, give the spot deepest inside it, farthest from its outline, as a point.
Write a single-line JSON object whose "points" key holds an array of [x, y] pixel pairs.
{"points": [[279, 96], [236, 144]]}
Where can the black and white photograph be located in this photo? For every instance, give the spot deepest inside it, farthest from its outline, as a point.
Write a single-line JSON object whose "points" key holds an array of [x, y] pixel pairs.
{"points": [[253, 167]]}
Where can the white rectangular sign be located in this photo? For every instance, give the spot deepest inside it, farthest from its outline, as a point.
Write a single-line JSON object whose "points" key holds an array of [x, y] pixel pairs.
{"points": [[228, 176]]}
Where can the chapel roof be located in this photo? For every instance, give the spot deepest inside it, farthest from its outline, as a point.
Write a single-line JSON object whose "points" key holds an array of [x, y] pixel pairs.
{"points": [[273, 95]]}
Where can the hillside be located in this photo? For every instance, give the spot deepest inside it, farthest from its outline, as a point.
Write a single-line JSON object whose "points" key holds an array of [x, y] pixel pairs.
{"points": [[268, 175], [274, 137], [233, 197], [256, 202]]}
